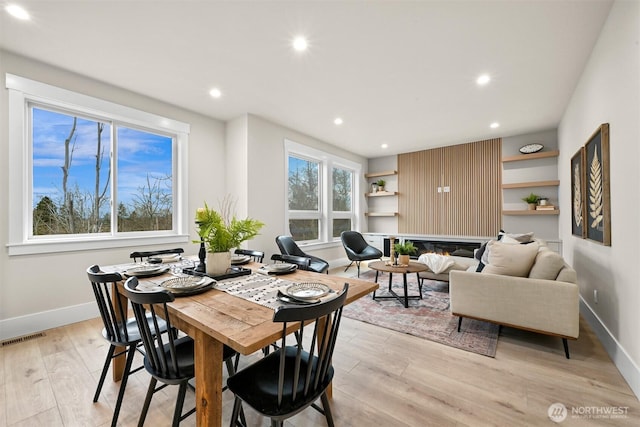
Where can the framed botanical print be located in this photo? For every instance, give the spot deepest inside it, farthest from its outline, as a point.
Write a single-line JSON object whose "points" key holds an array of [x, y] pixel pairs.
{"points": [[578, 189], [597, 220]]}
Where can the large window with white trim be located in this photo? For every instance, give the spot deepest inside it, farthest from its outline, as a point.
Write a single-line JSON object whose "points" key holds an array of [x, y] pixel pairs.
{"points": [[91, 171], [320, 194]]}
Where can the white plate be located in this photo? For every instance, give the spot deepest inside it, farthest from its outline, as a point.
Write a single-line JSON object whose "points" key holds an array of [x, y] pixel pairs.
{"points": [[308, 290], [169, 257], [146, 270], [240, 259], [188, 283], [281, 266]]}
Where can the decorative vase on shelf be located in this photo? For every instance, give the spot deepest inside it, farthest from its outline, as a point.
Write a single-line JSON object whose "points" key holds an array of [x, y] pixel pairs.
{"points": [[532, 206], [218, 263]]}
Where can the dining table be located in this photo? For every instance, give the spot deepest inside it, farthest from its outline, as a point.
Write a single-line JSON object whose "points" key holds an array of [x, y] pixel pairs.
{"points": [[216, 317]]}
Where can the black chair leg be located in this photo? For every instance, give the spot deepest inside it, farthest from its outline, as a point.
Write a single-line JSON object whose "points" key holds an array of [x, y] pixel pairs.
{"points": [[237, 405], [177, 413], [358, 265], [566, 347], [348, 266], [147, 401], [459, 323], [123, 384], [105, 368], [327, 409]]}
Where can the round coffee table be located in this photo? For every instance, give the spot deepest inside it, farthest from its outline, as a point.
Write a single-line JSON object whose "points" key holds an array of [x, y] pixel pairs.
{"points": [[413, 267]]}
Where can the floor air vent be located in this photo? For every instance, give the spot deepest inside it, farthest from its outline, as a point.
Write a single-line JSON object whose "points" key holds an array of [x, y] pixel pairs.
{"points": [[22, 339]]}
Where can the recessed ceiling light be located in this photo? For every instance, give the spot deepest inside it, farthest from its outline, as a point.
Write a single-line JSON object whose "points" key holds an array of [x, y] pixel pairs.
{"points": [[338, 121], [300, 44], [483, 79], [384, 145], [494, 125], [17, 11], [215, 92]]}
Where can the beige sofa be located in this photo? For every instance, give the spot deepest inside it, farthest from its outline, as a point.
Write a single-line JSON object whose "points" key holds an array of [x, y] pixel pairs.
{"points": [[544, 301]]}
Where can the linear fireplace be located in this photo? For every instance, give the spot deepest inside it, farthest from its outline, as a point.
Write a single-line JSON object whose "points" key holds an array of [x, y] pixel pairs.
{"points": [[441, 247]]}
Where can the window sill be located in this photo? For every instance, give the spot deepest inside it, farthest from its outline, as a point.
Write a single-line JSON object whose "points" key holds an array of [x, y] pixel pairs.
{"points": [[51, 246]]}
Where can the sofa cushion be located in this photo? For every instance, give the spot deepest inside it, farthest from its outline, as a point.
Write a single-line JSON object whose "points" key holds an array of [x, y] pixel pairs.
{"points": [[547, 265], [510, 259]]}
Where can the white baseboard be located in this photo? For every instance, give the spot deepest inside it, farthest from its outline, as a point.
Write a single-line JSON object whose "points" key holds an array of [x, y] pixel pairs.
{"points": [[627, 367], [32, 323]]}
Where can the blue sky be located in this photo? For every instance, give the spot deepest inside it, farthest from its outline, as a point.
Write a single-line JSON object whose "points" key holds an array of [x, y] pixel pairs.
{"points": [[139, 153]]}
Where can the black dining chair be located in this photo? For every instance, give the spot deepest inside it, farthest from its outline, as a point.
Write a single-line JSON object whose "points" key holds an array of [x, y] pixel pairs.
{"points": [[118, 330], [288, 246], [292, 378], [358, 249], [256, 256], [302, 262], [169, 360], [141, 255]]}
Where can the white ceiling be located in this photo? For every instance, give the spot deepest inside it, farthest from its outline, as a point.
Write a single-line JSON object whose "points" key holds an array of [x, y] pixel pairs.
{"points": [[397, 72]]}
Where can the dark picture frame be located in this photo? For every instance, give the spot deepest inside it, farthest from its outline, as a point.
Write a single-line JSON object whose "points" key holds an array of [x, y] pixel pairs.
{"points": [[578, 194], [597, 221]]}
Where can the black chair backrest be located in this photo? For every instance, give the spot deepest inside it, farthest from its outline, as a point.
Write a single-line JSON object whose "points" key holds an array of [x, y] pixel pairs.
{"points": [[256, 256], [319, 372], [354, 241], [164, 363], [288, 246], [302, 262], [113, 311], [146, 254]]}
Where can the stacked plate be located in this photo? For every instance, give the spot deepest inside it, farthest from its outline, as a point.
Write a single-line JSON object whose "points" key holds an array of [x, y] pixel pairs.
{"points": [[146, 270], [304, 293], [240, 259], [279, 268], [307, 290], [188, 285]]}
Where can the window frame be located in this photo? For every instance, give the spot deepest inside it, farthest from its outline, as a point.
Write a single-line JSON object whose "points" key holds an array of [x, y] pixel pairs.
{"points": [[23, 93], [327, 162]]}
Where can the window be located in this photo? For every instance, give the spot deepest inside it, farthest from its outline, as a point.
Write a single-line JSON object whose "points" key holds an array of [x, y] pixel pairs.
{"points": [[320, 189], [342, 206], [86, 173]]}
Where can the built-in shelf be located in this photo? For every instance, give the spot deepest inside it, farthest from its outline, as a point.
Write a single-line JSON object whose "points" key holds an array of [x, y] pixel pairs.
{"points": [[540, 155], [381, 214], [381, 194], [532, 212], [552, 183], [377, 174]]}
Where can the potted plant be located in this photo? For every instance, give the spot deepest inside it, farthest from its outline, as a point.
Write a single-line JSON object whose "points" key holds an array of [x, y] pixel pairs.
{"points": [[404, 250], [531, 200], [221, 232], [381, 183]]}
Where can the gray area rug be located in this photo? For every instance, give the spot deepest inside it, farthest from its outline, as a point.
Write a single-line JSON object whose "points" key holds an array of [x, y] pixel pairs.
{"points": [[428, 318]]}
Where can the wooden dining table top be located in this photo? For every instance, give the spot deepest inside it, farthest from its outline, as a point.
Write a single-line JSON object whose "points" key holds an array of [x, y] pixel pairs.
{"points": [[215, 317], [244, 325]]}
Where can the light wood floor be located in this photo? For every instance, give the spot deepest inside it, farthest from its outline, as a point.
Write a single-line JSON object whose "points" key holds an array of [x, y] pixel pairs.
{"points": [[382, 378]]}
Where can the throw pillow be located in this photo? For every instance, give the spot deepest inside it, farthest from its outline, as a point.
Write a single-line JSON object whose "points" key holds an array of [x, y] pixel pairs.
{"points": [[478, 252], [509, 259], [517, 238], [547, 265]]}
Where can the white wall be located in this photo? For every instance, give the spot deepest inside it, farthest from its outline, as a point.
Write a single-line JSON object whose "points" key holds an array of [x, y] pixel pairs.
{"points": [[42, 291], [266, 178], [609, 92]]}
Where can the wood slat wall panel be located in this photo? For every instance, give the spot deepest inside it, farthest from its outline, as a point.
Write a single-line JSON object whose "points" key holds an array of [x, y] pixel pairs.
{"points": [[472, 206]]}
